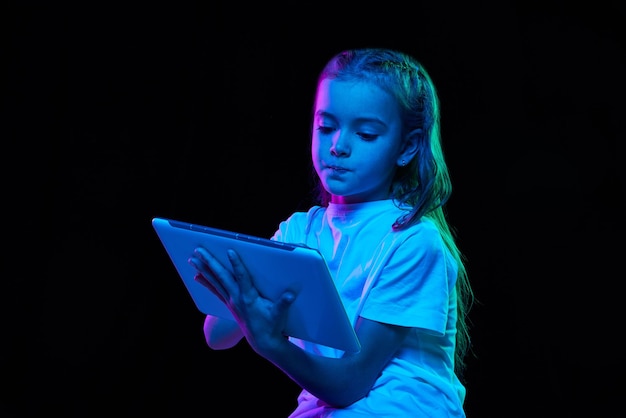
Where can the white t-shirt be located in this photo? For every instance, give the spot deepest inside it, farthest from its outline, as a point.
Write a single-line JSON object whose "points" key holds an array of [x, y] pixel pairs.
{"points": [[405, 278]]}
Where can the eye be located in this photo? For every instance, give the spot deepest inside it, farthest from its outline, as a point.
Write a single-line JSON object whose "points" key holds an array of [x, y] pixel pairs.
{"points": [[367, 137], [325, 129]]}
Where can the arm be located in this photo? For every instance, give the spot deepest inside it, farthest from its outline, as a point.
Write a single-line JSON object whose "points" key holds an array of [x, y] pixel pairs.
{"points": [[221, 333], [337, 381], [341, 381]]}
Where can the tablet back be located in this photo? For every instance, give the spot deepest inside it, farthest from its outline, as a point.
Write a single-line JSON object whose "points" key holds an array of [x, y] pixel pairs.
{"points": [[316, 315]]}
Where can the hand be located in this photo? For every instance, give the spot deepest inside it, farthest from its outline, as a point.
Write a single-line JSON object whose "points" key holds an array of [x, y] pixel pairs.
{"points": [[261, 320]]}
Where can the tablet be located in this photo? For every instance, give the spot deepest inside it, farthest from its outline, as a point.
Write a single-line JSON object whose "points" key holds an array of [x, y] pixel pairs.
{"points": [[316, 315]]}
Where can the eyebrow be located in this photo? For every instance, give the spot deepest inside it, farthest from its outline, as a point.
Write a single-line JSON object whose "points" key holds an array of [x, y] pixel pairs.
{"points": [[322, 113]]}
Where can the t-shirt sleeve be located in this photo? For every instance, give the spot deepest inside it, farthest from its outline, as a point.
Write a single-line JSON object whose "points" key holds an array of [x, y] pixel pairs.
{"points": [[293, 229], [414, 288]]}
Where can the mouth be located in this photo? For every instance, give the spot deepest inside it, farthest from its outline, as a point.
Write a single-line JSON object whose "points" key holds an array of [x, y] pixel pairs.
{"points": [[336, 168]]}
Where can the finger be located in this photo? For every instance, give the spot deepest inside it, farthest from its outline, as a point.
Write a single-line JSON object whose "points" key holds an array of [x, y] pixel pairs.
{"points": [[241, 273], [206, 278], [210, 286], [214, 272], [285, 301], [214, 265], [281, 306]]}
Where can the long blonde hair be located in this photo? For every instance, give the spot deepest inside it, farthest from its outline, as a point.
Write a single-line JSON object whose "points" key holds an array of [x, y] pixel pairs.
{"points": [[424, 183]]}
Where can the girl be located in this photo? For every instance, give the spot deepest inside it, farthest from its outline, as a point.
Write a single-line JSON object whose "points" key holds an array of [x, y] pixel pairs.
{"points": [[380, 224]]}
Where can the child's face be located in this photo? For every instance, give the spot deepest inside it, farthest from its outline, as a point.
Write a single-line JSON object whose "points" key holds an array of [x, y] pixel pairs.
{"points": [[357, 142]]}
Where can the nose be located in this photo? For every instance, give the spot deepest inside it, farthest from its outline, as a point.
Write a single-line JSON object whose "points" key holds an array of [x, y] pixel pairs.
{"points": [[339, 145]]}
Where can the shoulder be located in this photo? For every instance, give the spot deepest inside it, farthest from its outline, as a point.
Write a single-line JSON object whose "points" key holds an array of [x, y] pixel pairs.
{"points": [[425, 231], [421, 243], [305, 217], [296, 225]]}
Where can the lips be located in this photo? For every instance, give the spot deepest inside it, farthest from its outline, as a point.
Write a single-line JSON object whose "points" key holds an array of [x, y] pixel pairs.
{"points": [[336, 167]]}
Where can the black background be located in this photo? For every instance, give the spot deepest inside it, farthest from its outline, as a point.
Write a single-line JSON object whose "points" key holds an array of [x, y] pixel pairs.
{"points": [[119, 112]]}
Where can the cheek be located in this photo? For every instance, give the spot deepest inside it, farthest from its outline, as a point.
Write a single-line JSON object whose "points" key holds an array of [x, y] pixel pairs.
{"points": [[315, 153], [315, 147]]}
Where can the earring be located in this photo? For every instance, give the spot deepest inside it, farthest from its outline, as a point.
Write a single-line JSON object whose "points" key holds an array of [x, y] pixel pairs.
{"points": [[402, 163]]}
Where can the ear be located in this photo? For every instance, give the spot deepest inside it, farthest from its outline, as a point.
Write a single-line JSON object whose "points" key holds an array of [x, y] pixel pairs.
{"points": [[409, 147]]}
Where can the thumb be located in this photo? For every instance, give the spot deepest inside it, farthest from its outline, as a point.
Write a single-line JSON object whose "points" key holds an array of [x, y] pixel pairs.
{"points": [[285, 301]]}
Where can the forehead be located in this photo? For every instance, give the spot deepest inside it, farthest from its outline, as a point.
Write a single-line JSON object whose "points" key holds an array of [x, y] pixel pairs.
{"points": [[354, 98]]}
